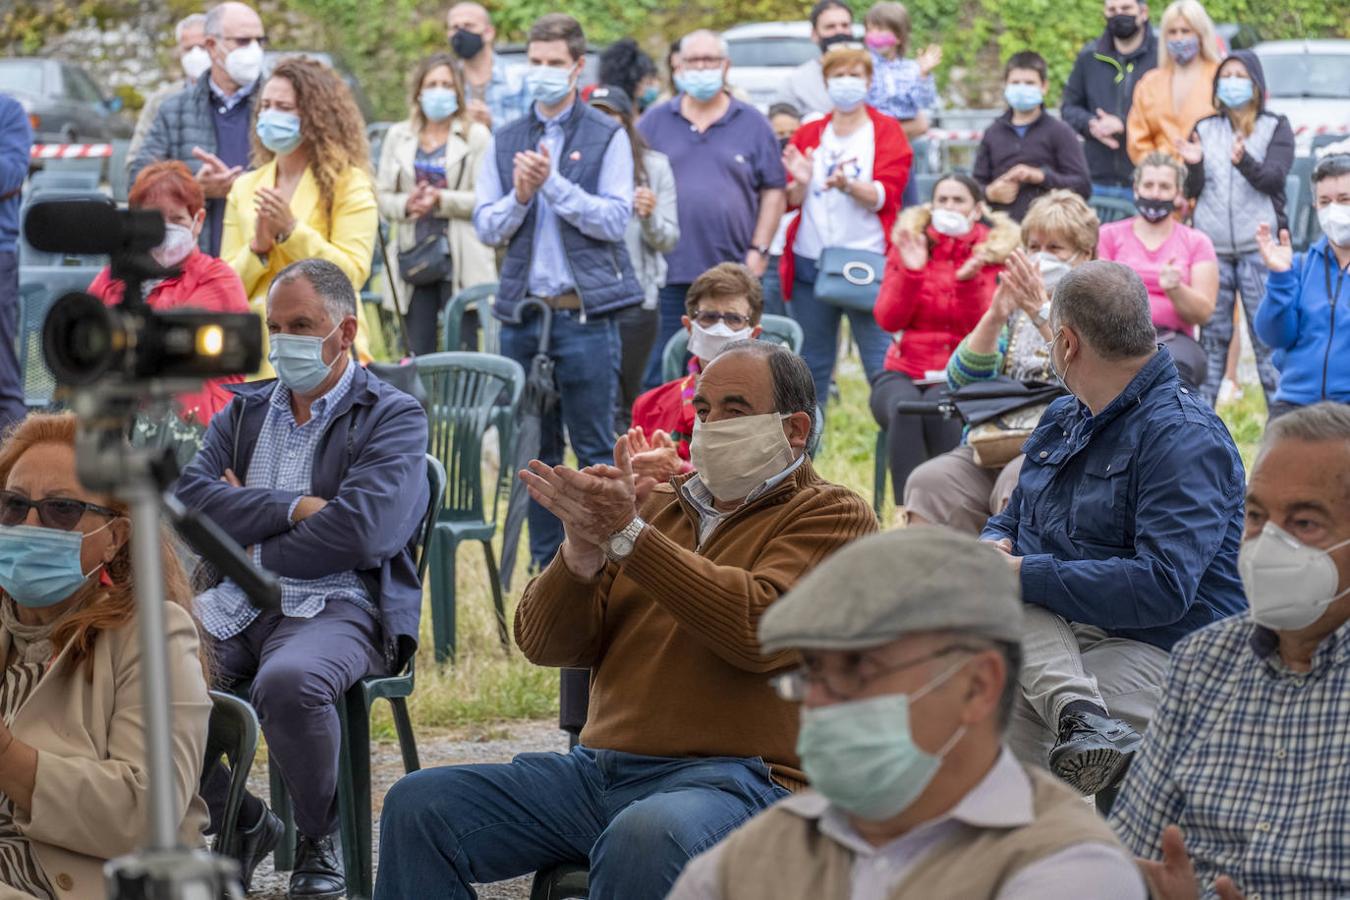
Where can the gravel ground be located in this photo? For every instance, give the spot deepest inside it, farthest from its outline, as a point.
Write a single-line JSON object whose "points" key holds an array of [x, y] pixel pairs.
{"points": [[492, 744]]}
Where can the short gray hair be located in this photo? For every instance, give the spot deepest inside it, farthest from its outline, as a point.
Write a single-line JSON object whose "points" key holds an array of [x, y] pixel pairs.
{"points": [[213, 24], [706, 32], [1107, 304], [328, 281], [196, 20], [1325, 421]]}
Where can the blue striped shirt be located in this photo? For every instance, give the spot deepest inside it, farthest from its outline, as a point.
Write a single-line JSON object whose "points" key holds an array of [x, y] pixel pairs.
{"points": [[1252, 760], [284, 460]]}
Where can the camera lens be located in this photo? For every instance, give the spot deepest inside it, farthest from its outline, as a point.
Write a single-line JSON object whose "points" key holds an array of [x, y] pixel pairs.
{"points": [[81, 339]]}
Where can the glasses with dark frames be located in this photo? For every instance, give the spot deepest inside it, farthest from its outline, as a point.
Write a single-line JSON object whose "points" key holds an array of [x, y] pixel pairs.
{"points": [[61, 513]]}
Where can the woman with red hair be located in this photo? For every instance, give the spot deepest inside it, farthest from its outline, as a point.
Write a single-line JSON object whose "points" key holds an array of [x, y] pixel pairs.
{"points": [[204, 282]]}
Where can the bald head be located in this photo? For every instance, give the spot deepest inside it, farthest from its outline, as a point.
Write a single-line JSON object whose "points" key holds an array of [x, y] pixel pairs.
{"points": [[702, 43], [225, 19]]}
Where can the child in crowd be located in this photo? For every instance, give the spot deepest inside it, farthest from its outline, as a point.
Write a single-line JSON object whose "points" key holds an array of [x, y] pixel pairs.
{"points": [[901, 88]]}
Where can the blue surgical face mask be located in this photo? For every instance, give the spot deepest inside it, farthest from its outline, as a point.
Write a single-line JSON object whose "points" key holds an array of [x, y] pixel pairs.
{"points": [[548, 84], [279, 131], [1023, 97], [861, 754], [438, 103], [41, 566], [1183, 50], [701, 84], [1234, 91], [648, 96], [298, 359], [846, 92]]}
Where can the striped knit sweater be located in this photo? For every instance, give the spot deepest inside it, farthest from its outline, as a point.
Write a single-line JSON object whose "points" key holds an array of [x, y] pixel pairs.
{"points": [[1028, 359], [671, 633]]}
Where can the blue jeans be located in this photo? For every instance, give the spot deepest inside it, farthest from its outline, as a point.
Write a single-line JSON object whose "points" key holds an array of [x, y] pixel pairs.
{"points": [[1114, 191], [586, 369], [637, 819], [12, 407], [1242, 274], [670, 303], [772, 284], [820, 323]]}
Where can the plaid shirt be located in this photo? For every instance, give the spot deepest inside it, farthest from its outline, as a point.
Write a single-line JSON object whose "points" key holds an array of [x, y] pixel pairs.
{"points": [[898, 89], [284, 460], [1252, 760]]}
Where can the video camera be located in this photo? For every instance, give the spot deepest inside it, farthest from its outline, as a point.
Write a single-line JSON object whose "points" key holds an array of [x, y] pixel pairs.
{"points": [[86, 342]]}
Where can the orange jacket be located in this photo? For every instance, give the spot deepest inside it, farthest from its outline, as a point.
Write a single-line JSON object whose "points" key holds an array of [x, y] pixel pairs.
{"points": [[1154, 124]]}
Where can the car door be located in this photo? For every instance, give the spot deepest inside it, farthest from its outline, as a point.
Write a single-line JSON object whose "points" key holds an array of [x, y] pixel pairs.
{"points": [[90, 110]]}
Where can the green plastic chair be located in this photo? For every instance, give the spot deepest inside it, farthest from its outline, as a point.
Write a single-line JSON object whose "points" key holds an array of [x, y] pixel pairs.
{"points": [[354, 807], [466, 393], [477, 298], [1112, 209], [880, 473], [232, 733], [779, 329]]}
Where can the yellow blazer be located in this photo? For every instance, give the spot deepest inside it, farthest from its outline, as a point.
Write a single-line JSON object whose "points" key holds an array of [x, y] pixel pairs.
{"points": [[89, 800], [347, 241]]}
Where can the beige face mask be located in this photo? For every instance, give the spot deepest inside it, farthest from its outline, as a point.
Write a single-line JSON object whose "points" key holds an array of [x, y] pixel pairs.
{"points": [[735, 456]]}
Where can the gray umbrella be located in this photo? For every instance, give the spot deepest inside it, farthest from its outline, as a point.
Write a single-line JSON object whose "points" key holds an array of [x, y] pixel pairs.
{"points": [[539, 398]]}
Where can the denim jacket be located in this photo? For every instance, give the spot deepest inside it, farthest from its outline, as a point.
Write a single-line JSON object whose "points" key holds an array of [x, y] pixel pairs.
{"points": [[1130, 520]]}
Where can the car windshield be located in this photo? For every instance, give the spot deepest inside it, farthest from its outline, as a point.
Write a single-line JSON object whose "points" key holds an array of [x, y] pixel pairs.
{"points": [[1308, 75], [772, 52], [21, 76]]}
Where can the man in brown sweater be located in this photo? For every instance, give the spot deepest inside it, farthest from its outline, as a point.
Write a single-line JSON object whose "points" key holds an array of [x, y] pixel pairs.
{"points": [[909, 643], [685, 739]]}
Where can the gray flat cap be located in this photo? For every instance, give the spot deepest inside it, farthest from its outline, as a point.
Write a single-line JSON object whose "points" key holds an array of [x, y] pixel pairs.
{"points": [[895, 583]]}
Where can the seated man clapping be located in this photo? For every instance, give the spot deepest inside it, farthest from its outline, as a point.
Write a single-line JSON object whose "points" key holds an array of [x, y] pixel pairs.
{"points": [[685, 739], [322, 475]]}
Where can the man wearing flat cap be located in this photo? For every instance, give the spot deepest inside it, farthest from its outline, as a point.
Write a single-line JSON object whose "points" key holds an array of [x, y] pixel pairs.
{"points": [[910, 646]]}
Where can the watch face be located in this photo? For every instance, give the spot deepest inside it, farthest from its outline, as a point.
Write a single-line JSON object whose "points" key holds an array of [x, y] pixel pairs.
{"points": [[620, 545]]}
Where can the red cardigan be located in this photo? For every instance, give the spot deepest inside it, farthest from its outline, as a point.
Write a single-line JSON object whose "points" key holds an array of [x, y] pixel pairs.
{"points": [[205, 283], [890, 166], [933, 309]]}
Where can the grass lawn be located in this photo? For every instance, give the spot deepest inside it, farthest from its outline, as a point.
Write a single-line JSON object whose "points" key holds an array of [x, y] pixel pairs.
{"points": [[488, 685]]}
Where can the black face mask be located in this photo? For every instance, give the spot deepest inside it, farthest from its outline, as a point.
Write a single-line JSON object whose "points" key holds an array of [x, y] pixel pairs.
{"points": [[466, 44], [1123, 27], [1153, 210], [832, 40], [783, 142]]}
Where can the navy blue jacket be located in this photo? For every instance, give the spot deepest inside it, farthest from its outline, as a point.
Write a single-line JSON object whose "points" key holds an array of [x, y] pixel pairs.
{"points": [[1131, 520], [16, 141], [371, 468]]}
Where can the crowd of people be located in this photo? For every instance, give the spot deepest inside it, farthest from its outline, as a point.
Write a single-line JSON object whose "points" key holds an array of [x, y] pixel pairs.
{"points": [[1086, 594]]}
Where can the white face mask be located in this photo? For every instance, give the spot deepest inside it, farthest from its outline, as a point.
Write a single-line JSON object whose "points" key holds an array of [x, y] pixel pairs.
{"points": [[178, 243], [705, 343], [1053, 269], [1335, 222], [951, 223], [1288, 584], [735, 456], [195, 62], [244, 64]]}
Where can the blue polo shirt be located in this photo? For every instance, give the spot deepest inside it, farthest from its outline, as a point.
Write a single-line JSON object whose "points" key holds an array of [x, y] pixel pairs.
{"points": [[718, 176]]}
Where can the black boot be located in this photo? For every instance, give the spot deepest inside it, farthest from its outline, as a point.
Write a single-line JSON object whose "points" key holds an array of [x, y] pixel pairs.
{"points": [[1093, 752], [318, 869], [253, 844]]}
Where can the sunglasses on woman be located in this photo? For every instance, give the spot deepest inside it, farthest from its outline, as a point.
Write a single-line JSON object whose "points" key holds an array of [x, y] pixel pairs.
{"points": [[54, 512]]}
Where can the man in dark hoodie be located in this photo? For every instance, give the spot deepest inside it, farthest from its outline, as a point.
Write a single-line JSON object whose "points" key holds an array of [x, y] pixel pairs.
{"points": [[1097, 97]]}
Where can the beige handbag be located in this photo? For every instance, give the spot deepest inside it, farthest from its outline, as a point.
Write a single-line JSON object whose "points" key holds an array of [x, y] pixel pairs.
{"points": [[997, 442]]}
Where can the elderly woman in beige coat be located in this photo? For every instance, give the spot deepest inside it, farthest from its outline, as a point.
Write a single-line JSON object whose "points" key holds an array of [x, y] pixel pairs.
{"points": [[72, 724], [425, 185]]}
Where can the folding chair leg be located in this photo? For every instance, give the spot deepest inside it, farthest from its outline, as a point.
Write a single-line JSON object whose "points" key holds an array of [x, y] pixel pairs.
{"points": [[283, 858], [881, 467], [443, 547], [497, 600], [354, 814], [407, 741]]}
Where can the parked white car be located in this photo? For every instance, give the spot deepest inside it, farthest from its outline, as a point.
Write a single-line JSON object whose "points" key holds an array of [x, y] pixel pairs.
{"points": [[1309, 82], [762, 53]]}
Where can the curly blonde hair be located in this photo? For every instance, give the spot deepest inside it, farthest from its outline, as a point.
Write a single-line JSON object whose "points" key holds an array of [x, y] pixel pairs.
{"points": [[330, 123], [114, 604]]}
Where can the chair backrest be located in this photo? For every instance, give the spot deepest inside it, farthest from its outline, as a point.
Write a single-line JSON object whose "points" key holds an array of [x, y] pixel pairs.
{"points": [[232, 733], [1112, 209], [480, 298], [465, 393], [436, 484], [61, 180], [777, 330]]}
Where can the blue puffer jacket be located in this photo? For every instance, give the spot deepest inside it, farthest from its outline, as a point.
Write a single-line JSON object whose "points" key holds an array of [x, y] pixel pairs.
{"points": [[1305, 319]]}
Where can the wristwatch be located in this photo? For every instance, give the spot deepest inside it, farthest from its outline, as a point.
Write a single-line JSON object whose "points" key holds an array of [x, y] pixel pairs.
{"points": [[1042, 316], [762, 251], [620, 544]]}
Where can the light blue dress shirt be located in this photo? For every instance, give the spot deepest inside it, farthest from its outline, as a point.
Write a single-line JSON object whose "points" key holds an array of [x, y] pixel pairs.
{"points": [[603, 216]]}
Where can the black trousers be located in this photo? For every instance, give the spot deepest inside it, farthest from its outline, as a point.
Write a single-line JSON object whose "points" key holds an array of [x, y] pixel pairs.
{"points": [[637, 334], [910, 440]]}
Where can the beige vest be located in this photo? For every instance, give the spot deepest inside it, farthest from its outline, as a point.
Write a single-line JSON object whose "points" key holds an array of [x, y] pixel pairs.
{"points": [[780, 854]]}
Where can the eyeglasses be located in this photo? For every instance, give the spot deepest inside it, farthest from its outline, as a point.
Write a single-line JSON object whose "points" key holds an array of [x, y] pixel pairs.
{"points": [[708, 318], [54, 512], [702, 62], [792, 686]]}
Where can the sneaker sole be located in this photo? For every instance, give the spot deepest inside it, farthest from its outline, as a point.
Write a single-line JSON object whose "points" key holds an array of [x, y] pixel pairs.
{"points": [[1092, 771]]}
